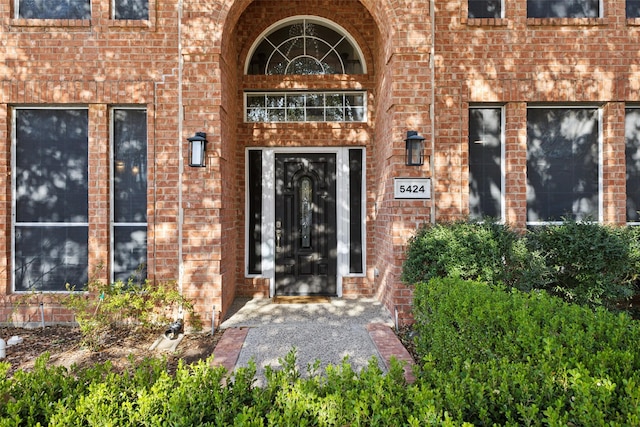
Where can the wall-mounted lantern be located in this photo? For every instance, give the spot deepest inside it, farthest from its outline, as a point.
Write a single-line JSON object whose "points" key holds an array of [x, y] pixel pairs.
{"points": [[415, 149], [197, 150]]}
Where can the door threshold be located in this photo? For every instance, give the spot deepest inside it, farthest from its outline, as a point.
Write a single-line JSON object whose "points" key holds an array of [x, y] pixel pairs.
{"points": [[301, 299]]}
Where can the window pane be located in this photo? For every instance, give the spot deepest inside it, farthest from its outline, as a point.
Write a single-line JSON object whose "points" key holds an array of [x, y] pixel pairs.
{"points": [[485, 9], [355, 212], [54, 9], [633, 8], [632, 154], [562, 164], [51, 165], [254, 186], [47, 258], [563, 9], [130, 253], [130, 165], [485, 160], [130, 194], [131, 9]]}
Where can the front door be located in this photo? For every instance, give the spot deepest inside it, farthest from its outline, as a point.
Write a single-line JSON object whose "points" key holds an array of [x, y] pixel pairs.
{"points": [[305, 224]]}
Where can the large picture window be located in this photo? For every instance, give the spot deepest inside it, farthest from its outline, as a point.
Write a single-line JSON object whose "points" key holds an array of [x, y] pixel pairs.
{"points": [[129, 194], [54, 9], [485, 162], [563, 157], [563, 9], [50, 186], [632, 154]]}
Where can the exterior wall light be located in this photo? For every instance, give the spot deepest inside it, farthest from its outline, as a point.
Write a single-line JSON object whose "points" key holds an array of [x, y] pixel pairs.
{"points": [[415, 149], [197, 150]]}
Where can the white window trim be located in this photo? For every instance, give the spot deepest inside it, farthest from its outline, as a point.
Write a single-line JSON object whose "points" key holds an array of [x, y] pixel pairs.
{"points": [[318, 19], [600, 157], [342, 211]]}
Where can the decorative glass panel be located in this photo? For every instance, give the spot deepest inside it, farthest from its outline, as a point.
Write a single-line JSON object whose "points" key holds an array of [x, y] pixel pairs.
{"points": [[306, 107], [306, 211], [305, 46]]}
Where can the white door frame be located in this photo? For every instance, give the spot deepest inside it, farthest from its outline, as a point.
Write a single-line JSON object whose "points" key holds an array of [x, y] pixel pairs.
{"points": [[268, 210]]}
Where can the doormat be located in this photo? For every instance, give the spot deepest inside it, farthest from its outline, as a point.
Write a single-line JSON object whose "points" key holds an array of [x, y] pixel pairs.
{"points": [[301, 300]]}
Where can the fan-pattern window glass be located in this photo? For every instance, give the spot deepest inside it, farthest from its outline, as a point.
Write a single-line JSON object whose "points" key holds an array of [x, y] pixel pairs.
{"points": [[129, 194], [485, 162], [563, 8], [485, 9], [305, 46], [54, 9], [51, 190], [131, 9], [632, 154], [563, 156], [305, 107]]}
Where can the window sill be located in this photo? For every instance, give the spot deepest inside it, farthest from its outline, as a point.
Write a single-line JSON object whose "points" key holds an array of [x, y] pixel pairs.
{"points": [[633, 22], [22, 22], [130, 23], [566, 21], [484, 22]]}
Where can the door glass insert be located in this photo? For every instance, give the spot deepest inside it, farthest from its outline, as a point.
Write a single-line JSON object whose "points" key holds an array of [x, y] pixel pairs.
{"points": [[306, 194]]}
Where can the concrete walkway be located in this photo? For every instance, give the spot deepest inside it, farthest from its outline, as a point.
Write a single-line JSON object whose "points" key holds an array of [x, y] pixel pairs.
{"points": [[265, 331]]}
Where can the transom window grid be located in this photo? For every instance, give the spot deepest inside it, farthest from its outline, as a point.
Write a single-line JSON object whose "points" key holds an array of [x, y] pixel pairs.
{"points": [[305, 107], [305, 46]]}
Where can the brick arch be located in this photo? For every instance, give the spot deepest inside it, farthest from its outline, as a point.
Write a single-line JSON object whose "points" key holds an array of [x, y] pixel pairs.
{"points": [[382, 11]]}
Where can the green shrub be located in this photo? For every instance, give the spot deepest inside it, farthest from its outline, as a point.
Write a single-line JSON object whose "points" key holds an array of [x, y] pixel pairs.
{"points": [[507, 357], [100, 306], [485, 251], [590, 263]]}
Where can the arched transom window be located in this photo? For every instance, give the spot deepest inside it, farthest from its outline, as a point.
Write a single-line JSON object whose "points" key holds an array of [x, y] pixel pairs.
{"points": [[305, 45]]}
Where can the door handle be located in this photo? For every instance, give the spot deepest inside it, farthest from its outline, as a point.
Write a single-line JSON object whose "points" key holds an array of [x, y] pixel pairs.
{"points": [[278, 235]]}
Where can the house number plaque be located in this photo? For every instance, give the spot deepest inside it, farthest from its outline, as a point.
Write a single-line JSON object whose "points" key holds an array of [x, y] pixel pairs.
{"points": [[412, 188]]}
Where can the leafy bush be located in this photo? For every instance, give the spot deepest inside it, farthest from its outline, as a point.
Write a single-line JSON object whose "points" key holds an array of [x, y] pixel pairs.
{"points": [[102, 306], [485, 251], [507, 357], [591, 263]]}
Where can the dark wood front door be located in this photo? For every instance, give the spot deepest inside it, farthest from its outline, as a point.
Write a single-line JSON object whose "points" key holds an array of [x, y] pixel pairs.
{"points": [[306, 244]]}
